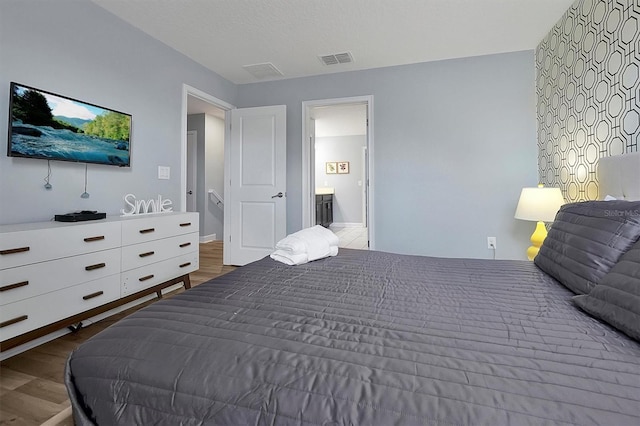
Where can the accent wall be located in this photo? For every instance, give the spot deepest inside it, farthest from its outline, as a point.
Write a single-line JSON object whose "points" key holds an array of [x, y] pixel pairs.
{"points": [[588, 91]]}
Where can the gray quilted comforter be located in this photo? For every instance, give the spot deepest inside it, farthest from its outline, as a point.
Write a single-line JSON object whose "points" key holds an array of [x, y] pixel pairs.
{"points": [[364, 338]]}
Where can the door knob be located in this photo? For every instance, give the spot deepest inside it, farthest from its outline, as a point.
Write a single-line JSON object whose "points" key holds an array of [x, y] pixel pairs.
{"points": [[278, 195], [190, 192]]}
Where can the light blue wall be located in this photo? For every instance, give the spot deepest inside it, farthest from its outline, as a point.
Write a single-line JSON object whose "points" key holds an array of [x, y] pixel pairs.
{"points": [[77, 49], [455, 142]]}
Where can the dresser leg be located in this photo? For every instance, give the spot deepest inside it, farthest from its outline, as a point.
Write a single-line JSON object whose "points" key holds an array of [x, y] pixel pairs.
{"points": [[187, 282]]}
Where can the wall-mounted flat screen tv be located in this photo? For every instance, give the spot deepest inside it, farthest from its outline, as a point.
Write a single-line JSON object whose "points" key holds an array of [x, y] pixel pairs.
{"points": [[54, 127]]}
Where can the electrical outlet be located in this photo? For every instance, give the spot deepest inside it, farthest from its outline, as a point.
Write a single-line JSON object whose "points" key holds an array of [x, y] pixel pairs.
{"points": [[491, 243]]}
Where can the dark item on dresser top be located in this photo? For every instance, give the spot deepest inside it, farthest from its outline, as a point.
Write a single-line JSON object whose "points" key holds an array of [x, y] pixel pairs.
{"points": [[361, 338], [80, 216]]}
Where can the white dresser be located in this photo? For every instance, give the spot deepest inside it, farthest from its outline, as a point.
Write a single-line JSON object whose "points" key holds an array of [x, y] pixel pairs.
{"points": [[55, 274]]}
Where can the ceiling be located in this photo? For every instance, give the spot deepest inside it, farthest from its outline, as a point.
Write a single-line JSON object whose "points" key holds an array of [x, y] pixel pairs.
{"points": [[198, 106], [225, 35]]}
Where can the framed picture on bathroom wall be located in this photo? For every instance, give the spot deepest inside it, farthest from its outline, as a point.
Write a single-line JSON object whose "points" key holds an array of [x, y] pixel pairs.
{"points": [[343, 167], [331, 167]]}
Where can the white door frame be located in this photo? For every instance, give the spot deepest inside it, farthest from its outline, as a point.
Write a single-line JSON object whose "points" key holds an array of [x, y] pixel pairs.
{"points": [[197, 93], [364, 188], [192, 155], [308, 193]]}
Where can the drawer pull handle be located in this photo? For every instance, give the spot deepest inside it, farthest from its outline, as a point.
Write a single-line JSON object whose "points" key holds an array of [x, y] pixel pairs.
{"points": [[183, 245], [148, 277], [13, 321], [148, 230], [91, 239], [184, 265], [185, 224], [149, 253], [92, 295], [12, 286], [96, 266], [15, 250]]}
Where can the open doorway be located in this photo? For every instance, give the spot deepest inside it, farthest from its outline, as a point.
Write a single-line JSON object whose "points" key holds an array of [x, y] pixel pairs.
{"points": [[242, 228], [204, 133], [337, 155]]}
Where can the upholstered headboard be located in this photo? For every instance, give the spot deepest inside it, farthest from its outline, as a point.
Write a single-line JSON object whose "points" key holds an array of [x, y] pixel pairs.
{"points": [[619, 176]]}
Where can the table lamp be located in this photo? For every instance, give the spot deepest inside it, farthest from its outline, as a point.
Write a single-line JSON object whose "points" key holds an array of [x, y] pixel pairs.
{"points": [[539, 205]]}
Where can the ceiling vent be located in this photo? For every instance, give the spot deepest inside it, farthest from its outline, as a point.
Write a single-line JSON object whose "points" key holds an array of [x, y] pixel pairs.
{"points": [[337, 58], [263, 71]]}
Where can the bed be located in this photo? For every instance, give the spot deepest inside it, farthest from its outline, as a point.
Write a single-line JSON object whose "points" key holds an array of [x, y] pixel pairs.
{"points": [[373, 338]]}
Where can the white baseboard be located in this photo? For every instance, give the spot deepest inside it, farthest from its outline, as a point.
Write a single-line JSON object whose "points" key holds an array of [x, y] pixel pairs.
{"points": [[208, 238], [347, 225]]}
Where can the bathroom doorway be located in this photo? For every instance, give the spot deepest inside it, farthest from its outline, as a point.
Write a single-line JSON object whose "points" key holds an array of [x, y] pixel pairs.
{"points": [[338, 141]]}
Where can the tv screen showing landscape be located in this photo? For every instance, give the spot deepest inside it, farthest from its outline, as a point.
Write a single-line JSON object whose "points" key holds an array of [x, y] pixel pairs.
{"points": [[54, 127]]}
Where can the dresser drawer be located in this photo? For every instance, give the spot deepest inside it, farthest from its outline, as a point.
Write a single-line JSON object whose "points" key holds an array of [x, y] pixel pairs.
{"points": [[38, 245], [137, 255], [33, 280], [136, 231], [157, 273], [28, 314]]}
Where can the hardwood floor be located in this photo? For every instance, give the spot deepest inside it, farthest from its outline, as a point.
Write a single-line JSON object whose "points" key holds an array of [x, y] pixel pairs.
{"points": [[31, 383]]}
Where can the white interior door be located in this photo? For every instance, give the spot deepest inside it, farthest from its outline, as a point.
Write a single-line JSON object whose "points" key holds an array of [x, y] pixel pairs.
{"points": [[192, 170], [257, 181]]}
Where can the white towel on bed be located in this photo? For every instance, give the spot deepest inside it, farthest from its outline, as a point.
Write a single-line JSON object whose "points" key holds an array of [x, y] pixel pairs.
{"points": [[314, 243], [289, 258], [318, 241], [292, 244], [321, 232]]}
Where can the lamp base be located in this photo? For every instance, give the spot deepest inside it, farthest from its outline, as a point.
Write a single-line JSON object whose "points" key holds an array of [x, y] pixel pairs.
{"points": [[537, 238]]}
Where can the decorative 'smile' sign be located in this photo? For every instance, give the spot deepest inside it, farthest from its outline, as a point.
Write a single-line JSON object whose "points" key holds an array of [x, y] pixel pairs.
{"points": [[136, 206]]}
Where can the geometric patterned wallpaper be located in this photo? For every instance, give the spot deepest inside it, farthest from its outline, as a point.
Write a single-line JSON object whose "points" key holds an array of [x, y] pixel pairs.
{"points": [[588, 93]]}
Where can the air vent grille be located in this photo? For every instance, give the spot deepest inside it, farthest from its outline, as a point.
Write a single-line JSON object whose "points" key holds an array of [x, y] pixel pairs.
{"points": [[337, 58], [263, 71]]}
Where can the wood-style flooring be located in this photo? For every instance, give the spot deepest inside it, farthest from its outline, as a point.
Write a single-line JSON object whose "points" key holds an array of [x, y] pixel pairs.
{"points": [[31, 384]]}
